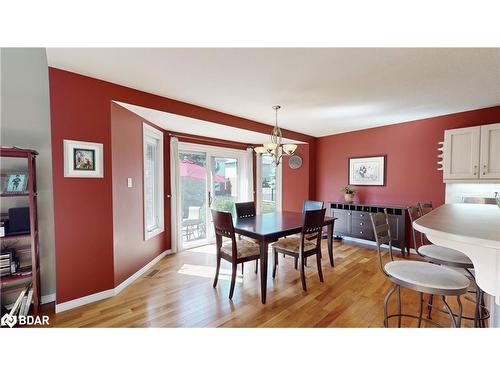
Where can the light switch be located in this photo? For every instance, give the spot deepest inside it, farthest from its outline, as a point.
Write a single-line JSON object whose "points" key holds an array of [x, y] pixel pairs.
{"points": [[129, 182]]}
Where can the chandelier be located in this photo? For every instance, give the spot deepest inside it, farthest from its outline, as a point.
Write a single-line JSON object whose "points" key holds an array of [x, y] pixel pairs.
{"points": [[276, 149]]}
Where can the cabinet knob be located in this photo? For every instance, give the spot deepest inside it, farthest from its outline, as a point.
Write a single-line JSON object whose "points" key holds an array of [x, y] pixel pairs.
{"points": [[360, 223], [361, 215], [360, 232], [349, 214]]}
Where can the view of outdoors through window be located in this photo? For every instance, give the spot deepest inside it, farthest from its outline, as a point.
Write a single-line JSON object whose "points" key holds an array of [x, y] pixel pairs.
{"points": [[193, 186], [268, 183], [225, 180]]}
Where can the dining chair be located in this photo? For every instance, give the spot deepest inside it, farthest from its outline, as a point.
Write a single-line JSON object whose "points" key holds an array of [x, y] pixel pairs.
{"points": [[234, 251], [243, 210], [446, 257], [422, 277], [308, 206], [303, 246]]}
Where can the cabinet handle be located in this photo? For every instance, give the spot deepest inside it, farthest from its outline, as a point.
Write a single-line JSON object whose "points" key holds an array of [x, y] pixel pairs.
{"points": [[361, 215], [484, 169], [349, 214], [475, 170], [360, 232], [360, 223]]}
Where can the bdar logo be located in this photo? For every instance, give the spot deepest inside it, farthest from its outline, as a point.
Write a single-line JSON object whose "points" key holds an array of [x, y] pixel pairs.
{"points": [[8, 320]]}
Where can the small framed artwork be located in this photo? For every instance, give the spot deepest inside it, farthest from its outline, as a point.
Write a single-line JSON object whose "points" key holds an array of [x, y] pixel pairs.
{"points": [[83, 159], [15, 183], [367, 171]]}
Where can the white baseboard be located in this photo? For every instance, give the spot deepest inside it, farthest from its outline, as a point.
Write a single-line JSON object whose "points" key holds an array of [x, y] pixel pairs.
{"points": [[140, 272], [110, 292], [60, 307]]}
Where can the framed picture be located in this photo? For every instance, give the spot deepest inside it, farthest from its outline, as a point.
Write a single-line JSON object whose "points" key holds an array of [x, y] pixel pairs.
{"points": [[367, 171], [83, 159], [15, 183]]}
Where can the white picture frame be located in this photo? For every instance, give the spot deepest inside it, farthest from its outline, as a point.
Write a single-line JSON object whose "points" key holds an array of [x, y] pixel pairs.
{"points": [[367, 171], [83, 159]]}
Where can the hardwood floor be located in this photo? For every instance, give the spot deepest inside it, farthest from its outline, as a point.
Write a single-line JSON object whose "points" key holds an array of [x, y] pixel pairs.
{"points": [[180, 294]]}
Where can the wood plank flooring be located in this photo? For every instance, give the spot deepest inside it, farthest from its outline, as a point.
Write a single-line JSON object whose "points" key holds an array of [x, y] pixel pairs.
{"points": [[180, 294]]}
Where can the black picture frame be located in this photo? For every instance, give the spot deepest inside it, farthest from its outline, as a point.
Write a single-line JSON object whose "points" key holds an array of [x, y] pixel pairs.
{"points": [[381, 181]]}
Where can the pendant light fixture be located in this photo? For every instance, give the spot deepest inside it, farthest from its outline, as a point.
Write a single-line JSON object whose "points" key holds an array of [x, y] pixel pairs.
{"points": [[276, 149]]}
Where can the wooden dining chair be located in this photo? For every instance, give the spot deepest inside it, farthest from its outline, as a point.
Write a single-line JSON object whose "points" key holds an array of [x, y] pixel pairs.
{"points": [[303, 246], [308, 206], [243, 210], [234, 251]]}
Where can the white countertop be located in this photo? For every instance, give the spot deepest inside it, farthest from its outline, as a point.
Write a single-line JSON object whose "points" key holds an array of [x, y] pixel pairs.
{"points": [[469, 223]]}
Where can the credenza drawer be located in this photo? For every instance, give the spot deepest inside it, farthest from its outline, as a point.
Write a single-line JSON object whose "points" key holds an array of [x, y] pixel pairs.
{"points": [[361, 215], [362, 228]]}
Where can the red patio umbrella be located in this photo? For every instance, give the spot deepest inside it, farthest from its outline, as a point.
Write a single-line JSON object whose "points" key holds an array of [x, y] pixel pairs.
{"points": [[195, 171]]}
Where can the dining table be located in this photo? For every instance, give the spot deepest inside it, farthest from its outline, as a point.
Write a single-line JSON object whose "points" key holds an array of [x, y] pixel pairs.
{"points": [[269, 227]]}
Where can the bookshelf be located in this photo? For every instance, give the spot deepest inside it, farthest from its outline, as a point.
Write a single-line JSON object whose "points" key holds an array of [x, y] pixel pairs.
{"points": [[15, 286]]}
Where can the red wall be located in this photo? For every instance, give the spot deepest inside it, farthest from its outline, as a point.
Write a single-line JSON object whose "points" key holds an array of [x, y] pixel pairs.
{"points": [[83, 208], [131, 251], [411, 150], [295, 182]]}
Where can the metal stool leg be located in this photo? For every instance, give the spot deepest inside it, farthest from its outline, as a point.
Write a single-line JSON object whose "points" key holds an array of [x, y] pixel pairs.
{"points": [[386, 301], [399, 306], [429, 306], [459, 317], [450, 312], [420, 310]]}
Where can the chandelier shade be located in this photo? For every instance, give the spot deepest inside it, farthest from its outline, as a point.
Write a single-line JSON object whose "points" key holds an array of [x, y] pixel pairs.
{"points": [[276, 148]]}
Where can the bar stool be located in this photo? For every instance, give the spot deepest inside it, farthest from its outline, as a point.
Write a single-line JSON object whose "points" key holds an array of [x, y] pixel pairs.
{"points": [[422, 277], [450, 258]]}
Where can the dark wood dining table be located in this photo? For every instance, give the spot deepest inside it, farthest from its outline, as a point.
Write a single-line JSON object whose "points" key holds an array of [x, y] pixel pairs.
{"points": [[269, 227]]}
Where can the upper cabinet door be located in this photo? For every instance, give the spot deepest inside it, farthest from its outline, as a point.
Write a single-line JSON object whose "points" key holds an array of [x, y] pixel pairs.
{"points": [[461, 153], [490, 151]]}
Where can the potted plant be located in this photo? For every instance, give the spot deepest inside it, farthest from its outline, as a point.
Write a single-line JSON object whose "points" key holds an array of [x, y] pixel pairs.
{"points": [[348, 193]]}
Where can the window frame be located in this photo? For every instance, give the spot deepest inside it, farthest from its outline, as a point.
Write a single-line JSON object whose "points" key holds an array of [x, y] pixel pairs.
{"points": [[258, 185], [150, 133]]}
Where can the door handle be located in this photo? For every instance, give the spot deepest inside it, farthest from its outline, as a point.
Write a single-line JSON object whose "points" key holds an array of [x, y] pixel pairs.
{"points": [[209, 199]]}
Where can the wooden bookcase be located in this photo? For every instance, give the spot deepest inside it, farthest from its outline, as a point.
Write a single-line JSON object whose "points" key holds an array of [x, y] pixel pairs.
{"points": [[33, 247]]}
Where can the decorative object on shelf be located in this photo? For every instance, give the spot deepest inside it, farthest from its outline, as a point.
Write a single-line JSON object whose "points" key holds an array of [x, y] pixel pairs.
{"points": [[367, 171], [83, 159], [21, 225], [295, 162], [440, 156], [348, 194], [276, 148], [15, 183]]}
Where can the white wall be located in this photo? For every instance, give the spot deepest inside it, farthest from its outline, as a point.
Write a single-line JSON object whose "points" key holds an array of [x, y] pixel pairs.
{"points": [[456, 192], [25, 122]]}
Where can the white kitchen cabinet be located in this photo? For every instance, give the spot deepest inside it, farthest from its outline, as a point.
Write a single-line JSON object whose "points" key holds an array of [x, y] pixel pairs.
{"points": [[490, 151], [461, 153], [472, 153]]}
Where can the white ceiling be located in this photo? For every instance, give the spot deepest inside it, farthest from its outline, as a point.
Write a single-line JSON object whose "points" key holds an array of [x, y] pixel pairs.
{"points": [[321, 91], [188, 125]]}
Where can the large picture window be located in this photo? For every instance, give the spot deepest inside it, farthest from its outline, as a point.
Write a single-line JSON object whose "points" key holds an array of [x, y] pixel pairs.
{"points": [[153, 181], [268, 185]]}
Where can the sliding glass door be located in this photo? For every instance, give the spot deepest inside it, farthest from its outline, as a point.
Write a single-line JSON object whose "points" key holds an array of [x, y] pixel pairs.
{"points": [[210, 177]]}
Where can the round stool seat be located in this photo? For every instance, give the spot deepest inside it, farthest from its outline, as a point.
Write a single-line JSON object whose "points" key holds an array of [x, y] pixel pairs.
{"points": [[427, 277], [445, 256]]}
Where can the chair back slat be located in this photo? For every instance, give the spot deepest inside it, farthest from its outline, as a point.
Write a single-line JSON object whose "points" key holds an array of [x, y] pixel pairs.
{"points": [[245, 209], [313, 224], [382, 232], [223, 224], [312, 205]]}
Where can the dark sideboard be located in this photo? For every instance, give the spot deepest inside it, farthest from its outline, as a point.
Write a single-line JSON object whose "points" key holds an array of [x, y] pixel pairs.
{"points": [[353, 220]]}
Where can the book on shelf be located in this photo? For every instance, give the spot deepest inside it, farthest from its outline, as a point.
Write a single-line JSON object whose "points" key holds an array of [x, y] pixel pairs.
{"points": [[26, 303]]}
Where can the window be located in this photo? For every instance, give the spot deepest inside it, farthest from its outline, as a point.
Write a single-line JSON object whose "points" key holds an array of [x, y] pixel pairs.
{"points": [[153, 181], [268, 184]]}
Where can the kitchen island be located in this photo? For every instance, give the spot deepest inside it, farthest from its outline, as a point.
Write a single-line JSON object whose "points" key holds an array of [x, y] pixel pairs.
{"points": [[473, 229]]}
